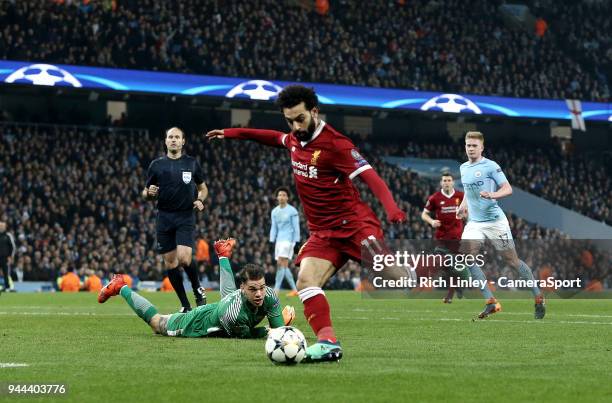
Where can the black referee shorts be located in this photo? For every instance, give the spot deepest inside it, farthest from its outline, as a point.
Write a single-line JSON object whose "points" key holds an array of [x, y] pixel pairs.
{"points": [[175, 228]]}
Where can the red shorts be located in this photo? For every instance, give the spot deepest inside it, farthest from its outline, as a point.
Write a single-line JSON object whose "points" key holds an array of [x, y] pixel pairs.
{"points": [[340, 244]]}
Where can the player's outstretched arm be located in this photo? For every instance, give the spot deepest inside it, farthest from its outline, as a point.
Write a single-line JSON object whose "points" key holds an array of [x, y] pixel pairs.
{"points": [[383, 194], [271, 138]]}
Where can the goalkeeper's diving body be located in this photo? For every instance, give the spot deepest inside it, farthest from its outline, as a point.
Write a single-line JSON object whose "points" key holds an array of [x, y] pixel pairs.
{"points": [[237, 314]]}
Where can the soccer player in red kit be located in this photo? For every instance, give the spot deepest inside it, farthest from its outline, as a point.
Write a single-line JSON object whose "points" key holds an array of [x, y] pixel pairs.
{"points": [[444, 204], [324, 164]]}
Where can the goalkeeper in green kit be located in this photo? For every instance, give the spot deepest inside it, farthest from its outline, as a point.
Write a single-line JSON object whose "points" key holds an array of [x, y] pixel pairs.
{"points": [[236, 315]]}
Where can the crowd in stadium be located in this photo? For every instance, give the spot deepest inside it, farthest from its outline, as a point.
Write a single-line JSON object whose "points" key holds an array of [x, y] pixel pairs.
{"points": [[451, 46], [67, 211]]}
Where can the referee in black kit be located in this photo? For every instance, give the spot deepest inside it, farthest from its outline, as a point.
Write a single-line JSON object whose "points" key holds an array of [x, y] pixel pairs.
{"points": [[7, 251], [177, 182]]}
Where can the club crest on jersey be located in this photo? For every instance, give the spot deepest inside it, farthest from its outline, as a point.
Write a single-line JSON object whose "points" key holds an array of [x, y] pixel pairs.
{"points": [[478, 174], [442, 202], [315, 157], [186, 177], [457, 202]]}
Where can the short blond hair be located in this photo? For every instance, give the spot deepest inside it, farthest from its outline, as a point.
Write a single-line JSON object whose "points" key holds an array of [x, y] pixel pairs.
{"points": [[475, 135]]}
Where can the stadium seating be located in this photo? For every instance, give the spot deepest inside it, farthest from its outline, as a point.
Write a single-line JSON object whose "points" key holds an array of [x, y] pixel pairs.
{"points": [[425, 45]]}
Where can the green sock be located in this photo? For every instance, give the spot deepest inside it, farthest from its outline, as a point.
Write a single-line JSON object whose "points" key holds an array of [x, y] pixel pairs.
{"points": [[463, 274], [143, 308], [226, 277]]}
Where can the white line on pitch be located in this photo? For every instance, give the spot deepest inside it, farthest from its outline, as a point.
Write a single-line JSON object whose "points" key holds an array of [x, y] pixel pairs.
{"points": [[65, 314], [13, 364], [488, 320]]}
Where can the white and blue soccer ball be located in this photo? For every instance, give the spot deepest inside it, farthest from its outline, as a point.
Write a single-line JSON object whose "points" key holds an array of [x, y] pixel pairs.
{"points": [[286, 345], [261, 90], [451, 103], [43, 74]]}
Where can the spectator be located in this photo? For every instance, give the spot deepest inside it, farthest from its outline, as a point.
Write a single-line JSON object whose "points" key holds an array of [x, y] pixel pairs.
{"points": [[425, 45]]}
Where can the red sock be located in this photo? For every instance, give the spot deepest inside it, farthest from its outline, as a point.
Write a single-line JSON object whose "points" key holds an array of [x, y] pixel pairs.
{"points": [[316, 311]]}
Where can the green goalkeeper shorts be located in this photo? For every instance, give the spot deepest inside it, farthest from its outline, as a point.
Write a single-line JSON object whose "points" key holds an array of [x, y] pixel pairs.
{"points": [[200, 322]]}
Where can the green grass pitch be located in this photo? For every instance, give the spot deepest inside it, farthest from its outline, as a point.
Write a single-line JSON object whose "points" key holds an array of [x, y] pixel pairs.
{"points": [[415, 350]]}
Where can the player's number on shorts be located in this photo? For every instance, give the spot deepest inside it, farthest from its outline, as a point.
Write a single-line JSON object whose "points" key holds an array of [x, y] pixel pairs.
{"points": [[505, 240]]}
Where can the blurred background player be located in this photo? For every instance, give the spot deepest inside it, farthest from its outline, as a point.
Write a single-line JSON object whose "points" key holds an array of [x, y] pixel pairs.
{"points": [[236, 315], [284, 233], [484, 183], [324, 164], [7, 251], [448, 227], [177, 182]]}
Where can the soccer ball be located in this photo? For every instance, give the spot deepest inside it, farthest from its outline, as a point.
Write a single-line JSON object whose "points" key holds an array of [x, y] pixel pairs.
{"points": [[43, 74], [451, 103], [285, 345], [255, 89]]}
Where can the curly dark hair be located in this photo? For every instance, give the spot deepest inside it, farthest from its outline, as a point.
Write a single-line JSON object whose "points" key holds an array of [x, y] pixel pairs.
{"points": [[293, 95]]}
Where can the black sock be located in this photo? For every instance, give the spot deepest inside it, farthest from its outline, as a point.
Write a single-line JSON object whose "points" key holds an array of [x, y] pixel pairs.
{"points": [[194, 279], [176, 279]]}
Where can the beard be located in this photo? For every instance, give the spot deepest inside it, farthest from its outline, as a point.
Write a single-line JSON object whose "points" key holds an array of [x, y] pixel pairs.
{"points": [[305, 135]]}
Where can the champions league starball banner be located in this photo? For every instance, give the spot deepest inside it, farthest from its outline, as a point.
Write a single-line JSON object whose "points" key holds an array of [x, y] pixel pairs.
{"points": [[29, 73]]}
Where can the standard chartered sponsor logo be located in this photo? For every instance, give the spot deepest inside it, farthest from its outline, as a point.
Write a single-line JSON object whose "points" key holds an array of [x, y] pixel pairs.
{"points": [[305, 170]]}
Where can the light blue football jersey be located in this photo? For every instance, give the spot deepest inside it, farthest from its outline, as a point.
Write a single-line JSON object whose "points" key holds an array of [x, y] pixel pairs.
{"points": [[285, 224], [484, 175]]}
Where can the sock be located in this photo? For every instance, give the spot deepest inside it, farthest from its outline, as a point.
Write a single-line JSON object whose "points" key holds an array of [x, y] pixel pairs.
{"points": [[143, 308], [194, 279], [226, 277], [280, 274], [526, 274], [176, 279], [316, 311], [477, 274], [289, 277], [463, 274]]}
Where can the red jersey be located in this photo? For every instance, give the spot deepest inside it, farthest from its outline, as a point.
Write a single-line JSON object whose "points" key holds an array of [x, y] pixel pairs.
{"points": [[323, 168], [445, 209]]}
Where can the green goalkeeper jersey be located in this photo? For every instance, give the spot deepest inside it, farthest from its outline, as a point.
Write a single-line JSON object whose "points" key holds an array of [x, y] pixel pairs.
{"points": [[233, 316]]}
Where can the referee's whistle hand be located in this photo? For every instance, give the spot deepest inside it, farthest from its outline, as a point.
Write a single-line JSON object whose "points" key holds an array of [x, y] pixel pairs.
{"points": [[198, 205], [153, 190]]}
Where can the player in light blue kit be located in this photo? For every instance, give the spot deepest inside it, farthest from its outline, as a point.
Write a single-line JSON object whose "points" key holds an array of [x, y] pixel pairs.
{"points": [[285, 232], [484, 183]]}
